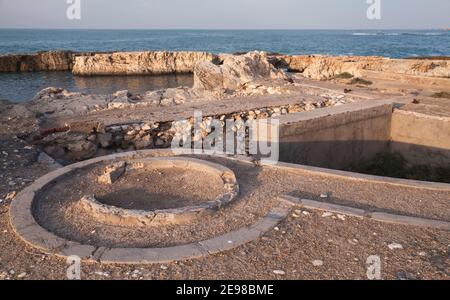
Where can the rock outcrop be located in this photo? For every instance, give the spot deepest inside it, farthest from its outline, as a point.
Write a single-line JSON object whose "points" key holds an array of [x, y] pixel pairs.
{"points": [[326, 67], [41, 61], [235, 71], [140, 63]]}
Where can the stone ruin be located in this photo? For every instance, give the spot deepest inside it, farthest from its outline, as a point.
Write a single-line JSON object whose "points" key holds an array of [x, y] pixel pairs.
{"points": [[129, 199]]}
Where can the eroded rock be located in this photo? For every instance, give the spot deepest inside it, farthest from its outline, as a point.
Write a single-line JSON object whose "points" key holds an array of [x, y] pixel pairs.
{"points": [[112, 173], [125, 63], [326, 67], [41, 61], [235, 71]]}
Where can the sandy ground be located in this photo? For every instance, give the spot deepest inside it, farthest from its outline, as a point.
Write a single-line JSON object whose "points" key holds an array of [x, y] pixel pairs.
{"points": [[297, 246]]}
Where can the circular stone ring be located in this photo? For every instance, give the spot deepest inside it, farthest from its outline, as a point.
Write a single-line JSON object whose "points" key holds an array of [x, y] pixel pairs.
{"points": [[130, 217]]}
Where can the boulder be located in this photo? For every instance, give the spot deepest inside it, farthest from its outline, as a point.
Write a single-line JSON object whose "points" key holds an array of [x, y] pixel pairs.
{"points": [[143, 142], [81, 150], [235, 71], [104, 139], [208, 76]]}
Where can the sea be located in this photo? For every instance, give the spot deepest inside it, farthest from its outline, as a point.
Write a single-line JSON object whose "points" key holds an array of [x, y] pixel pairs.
{"points": [[22, 87]]}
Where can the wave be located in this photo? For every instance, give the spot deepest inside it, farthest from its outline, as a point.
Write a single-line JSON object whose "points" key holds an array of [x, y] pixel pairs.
{"points": [[397, 33]]}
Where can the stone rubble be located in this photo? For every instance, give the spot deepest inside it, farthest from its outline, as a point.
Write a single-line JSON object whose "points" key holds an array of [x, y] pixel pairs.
{"points": [[71, 146]]}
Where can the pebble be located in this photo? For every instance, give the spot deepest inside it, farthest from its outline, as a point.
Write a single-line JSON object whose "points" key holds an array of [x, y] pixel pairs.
{"points": [[422, 253], [306, 213], [22, 275], [353, 241], [10, 196], [146, 127], [163, 267], [327, 214], [323, 195], [317, 263], [341, 217], [279, 272], [395, 246], [277, 229], [105, 274]]}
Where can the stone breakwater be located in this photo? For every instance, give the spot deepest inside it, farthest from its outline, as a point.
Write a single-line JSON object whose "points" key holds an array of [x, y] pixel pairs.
{"points": [[116, 63], [140, 63], [327, 67]]}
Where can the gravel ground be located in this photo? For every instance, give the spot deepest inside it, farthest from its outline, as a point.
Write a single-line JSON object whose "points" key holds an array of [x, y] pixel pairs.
{"points": [[307, 245]]}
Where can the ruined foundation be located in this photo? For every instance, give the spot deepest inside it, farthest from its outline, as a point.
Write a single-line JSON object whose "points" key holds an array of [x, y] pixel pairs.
{"points": [[121, 195]]}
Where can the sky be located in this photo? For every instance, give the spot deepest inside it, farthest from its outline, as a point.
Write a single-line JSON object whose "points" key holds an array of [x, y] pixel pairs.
{"points": [[225, 14]]}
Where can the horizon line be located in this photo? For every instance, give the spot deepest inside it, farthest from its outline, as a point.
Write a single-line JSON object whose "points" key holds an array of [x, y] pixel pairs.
{"points": [[222, 29]]}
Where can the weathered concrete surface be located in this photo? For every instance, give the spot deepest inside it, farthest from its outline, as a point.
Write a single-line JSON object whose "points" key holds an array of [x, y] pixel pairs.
{"points": [[41, 61], [326, 67], [422, 139], [140, 63], [336, 137], [360, 213]]}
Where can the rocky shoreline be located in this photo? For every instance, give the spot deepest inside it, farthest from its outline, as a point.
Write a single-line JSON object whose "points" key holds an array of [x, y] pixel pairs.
{"points": [[319, 67]]}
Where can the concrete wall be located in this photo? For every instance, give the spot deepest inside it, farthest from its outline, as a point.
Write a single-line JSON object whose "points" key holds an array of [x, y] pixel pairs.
{"points": [[421, 139], [336, 137]]}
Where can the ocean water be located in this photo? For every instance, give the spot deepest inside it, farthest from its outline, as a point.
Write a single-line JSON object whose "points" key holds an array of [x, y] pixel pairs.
{"points": [[391, 43], [22, 87]]}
